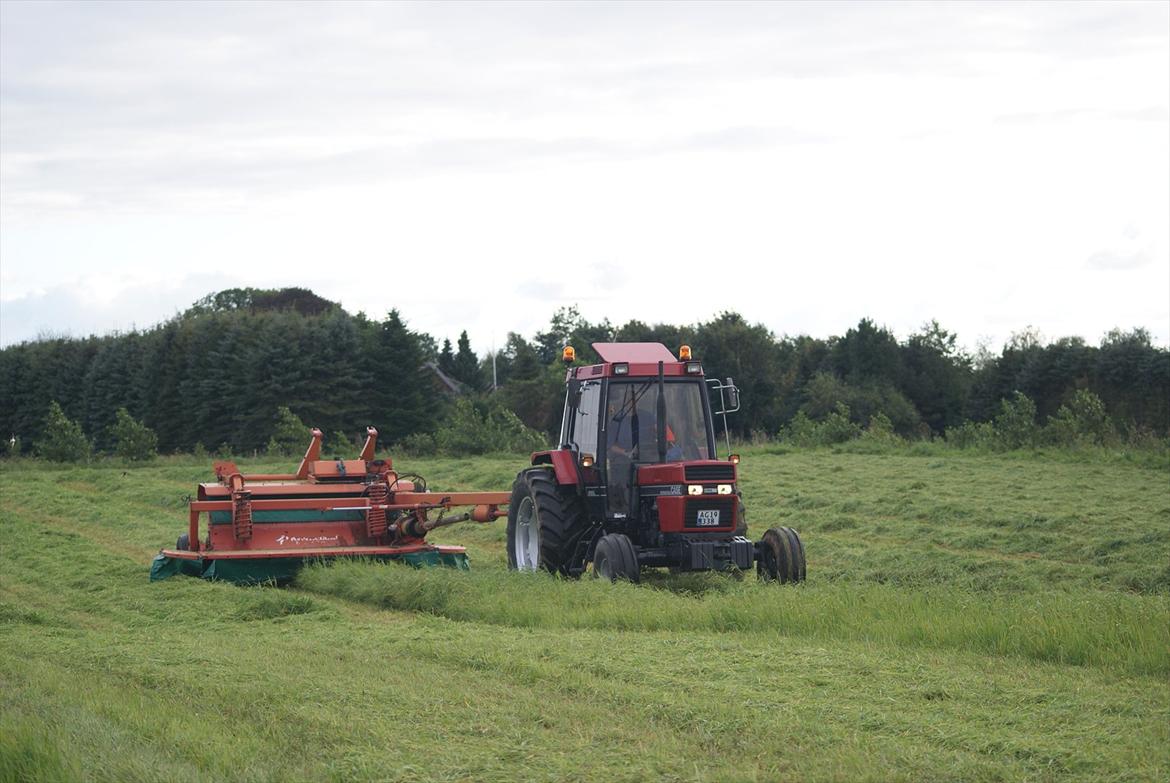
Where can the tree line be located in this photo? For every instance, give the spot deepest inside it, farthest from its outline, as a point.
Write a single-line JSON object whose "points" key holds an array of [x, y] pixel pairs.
{"points": [[217, 377]]}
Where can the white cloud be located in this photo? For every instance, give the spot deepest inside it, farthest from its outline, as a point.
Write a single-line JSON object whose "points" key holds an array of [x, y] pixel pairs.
{"points": [[1108, 259], [91, 306]]}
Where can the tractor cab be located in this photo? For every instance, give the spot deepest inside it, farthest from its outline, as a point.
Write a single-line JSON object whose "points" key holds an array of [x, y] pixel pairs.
{"points": [[637, 481], [639, 407]]}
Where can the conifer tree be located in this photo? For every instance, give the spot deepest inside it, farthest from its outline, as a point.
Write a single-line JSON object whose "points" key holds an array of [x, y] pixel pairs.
{"points": [[62, 439], [133, 440], [466, 369], [447, 358]]}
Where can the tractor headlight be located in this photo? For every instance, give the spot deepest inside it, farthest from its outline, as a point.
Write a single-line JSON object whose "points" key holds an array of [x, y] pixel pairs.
{"points": [[621, 368], [694, 368], [724, 489], [694, 489]]}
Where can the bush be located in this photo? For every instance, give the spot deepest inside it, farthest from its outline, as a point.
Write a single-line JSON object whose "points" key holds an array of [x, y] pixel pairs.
{"points": [[835, 428], [825, 392], [134, 441], [880, 429], [1083, 421], [62, 439], [479, 427], [1145, 439], [971, 435], [1015, 426], [338, 444], [418, 444], [289, 436]]}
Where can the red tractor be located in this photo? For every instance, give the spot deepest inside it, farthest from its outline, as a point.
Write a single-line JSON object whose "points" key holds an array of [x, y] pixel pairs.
{"points": [[636, 481]]}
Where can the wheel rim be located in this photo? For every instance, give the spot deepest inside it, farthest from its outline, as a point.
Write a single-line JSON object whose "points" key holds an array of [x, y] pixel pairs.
{"points": [[526, 543], [602, 568]]}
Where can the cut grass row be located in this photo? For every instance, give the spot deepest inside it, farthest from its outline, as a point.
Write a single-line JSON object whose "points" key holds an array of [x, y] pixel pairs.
{"points": [[1124, 632]]}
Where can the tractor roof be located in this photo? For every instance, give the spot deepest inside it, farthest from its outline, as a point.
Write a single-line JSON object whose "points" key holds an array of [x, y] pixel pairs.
{"points": [[634, 353]]}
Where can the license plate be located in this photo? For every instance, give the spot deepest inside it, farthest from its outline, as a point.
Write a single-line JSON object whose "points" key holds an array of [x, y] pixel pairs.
{"points": [[708, 517]]}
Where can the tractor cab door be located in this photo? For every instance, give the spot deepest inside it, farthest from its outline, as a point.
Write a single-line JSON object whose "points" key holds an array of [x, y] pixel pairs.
{"points": [[629, 428], [581, 418]]}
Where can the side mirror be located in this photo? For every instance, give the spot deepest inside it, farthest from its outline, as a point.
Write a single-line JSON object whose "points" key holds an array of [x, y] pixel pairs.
{"points": [[732, 393]]}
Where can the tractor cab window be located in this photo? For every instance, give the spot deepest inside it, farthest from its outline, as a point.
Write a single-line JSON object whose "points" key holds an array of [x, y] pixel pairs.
{"points": [[631, 432], [585, 424], [632, 421]]}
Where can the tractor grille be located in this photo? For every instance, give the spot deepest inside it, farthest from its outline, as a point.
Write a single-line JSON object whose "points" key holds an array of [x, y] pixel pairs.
{"points": [[710, 472], [699, 513]]}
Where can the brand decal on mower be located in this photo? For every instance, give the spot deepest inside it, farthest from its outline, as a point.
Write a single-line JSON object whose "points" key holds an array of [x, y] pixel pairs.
{"points": [[296, 540], [707, 517]]}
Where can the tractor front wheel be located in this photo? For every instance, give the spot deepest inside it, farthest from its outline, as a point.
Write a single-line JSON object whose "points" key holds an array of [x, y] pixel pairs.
{"points": [[781, 556], [615, 558], [545, 522]]}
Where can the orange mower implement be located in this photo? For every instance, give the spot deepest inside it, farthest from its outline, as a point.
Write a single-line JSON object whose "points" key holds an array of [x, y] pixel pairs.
{"points": [[264, 527]]}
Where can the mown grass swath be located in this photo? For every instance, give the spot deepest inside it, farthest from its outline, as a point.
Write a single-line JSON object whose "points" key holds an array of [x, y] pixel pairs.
{"points": [[1117, 630]]}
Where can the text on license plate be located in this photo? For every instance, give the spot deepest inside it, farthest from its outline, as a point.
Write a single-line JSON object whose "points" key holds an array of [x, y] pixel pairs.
{"points": [[708, 517]]}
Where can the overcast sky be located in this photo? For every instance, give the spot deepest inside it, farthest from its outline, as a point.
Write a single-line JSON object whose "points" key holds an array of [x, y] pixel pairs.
{"points": [[476, 166]]}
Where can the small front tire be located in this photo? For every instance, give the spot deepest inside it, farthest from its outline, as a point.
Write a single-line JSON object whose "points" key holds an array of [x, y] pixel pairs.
{"points": [[615, 558], [781, 556]]}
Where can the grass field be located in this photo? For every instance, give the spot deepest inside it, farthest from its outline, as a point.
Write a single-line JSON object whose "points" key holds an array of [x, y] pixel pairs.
{"points": [[966, 618]]}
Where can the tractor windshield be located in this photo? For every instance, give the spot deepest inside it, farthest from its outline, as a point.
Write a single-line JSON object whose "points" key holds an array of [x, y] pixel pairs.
{"points": [[631, 421], [631, 433]]}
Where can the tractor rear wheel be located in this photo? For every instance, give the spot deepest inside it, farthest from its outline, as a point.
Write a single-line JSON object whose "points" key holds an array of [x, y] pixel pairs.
{"points": [[615, 558], [781, 556], [545, 522]]}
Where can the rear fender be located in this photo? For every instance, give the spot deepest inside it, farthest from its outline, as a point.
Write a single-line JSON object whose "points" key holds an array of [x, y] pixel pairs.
{"points": [[564, 465]]}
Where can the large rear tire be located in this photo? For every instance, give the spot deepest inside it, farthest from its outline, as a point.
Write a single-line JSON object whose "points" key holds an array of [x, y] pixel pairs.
{"points": [[615, 558], [545, 522], [781, 556]]}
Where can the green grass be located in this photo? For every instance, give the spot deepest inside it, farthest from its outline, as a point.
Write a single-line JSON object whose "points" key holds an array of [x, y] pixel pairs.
{"points": [[1126, 632], [966, 618]]}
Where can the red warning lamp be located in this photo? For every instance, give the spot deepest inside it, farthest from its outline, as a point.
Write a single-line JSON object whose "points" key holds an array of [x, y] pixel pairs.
{"points": [[684, 353], [568, 356]]}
